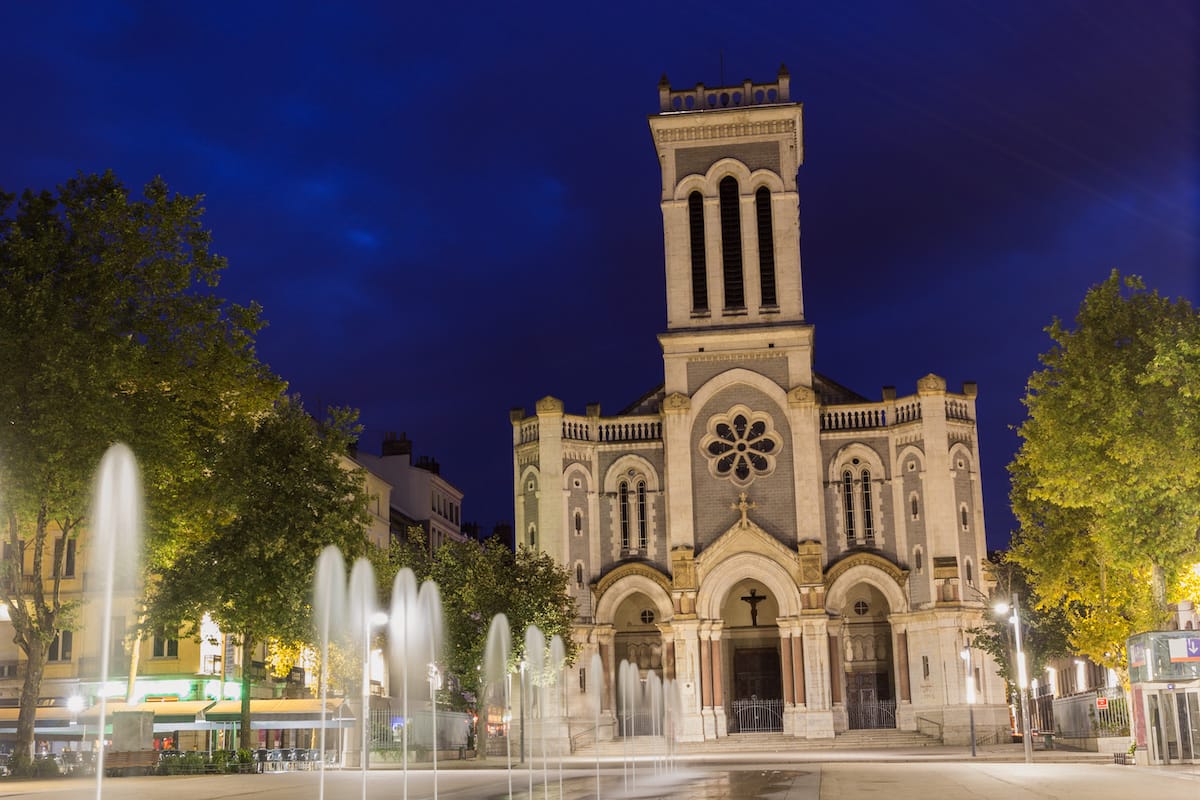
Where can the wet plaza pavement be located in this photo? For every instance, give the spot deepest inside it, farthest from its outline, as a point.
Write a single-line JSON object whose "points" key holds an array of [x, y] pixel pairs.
{"points": [[865, 778]]}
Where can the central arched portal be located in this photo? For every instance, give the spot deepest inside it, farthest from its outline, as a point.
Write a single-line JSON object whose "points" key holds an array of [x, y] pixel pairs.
{"points": [[755, 682], [867, 659]]}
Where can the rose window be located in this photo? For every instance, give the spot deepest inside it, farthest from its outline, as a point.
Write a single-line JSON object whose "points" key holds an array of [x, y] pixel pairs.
{"points": [[740, 445]]}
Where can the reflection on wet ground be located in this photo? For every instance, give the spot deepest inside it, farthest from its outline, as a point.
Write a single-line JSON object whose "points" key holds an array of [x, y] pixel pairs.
{"points": [[733, 784]]}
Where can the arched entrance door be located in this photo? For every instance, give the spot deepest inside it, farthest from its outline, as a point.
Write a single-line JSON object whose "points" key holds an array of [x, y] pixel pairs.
{"points": [[868, 660], [751, 643], [637, 641]]}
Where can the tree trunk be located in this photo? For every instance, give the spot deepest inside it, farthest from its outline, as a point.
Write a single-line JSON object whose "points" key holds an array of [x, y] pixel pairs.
{"points": [[247, 652], [1158, 588], [30, 687]]}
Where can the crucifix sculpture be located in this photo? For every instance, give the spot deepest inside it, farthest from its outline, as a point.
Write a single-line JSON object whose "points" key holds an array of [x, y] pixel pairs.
{"points": [[754, 598]]}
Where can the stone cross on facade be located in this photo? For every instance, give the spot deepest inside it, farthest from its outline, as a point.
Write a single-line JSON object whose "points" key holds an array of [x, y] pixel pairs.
{"points": [[743, 507]]}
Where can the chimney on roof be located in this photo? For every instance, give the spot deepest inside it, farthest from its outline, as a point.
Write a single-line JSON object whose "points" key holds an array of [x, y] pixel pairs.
{"points": [[396, 447]]}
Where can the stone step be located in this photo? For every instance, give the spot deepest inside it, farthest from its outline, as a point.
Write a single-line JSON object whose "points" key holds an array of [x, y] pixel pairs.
{"points": [[649, 746]]}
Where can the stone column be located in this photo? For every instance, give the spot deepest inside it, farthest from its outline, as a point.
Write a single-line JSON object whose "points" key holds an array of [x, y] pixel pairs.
{"points": [[718, 682], [605, 638], [835, 669], [688, 661], [797, 644], [785, 662], [902, 679]]}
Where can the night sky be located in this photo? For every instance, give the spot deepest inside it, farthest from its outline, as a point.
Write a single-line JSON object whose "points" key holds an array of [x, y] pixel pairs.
{"points": [[448, 210]]}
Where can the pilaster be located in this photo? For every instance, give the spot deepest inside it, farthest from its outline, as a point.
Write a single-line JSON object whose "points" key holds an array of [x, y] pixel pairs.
{"points": [[551, 514]]}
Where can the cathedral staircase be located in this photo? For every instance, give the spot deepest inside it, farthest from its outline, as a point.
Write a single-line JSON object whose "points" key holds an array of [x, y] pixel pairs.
{"points": [[651, 746]]}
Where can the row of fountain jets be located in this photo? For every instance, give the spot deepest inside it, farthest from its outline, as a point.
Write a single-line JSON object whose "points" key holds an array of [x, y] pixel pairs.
{"points": [[347, 613]]}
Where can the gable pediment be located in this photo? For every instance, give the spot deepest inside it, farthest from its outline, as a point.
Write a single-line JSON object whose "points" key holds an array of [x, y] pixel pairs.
{"points": [[747, 537]]}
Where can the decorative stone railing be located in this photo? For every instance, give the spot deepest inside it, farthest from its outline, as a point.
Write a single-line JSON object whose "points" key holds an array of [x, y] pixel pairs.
{"points": [[704, 98], [529, 430], [886, 414]]}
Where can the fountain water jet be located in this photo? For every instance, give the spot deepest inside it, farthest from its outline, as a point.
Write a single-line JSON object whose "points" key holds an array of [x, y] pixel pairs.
{"points": [[329, 608], [362, 608], [117, 516], [498, 678]]}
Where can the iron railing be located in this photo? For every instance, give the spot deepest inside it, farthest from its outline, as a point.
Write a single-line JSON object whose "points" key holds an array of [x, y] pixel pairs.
{"points": [[755, 716], [871, 715]]}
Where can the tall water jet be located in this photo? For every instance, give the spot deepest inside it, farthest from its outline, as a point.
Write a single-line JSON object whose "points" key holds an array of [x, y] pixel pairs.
{"points": [[429, 603], [117, 528], [362, 607], [329, 610], [535, 662], [595, 699], [558, 663], [499, 679]]}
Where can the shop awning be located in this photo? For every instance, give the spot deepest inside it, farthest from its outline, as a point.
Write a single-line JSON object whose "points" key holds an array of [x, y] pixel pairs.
{"points": [[284, 713], [50, 720]]}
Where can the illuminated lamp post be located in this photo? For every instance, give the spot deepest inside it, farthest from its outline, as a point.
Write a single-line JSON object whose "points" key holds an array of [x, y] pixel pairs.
{"points": [[966, 656], [1022, 679]]}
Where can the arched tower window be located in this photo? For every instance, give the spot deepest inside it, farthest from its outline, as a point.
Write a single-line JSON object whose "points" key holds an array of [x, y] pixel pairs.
{"points": [[578, 523], [963, 515], [766, 246], [623, 502], [868, 515], [579, 573], [699, 263], [532, 535], [641, 516], [731, 244], [970, 574], [848, 503]]}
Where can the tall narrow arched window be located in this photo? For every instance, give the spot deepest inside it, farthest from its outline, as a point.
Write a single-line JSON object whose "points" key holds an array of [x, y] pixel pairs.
{"points": [[699, 261], [579, 573], [578, 523], [970, 576], [533, 536], [766, 246], [963, 513], [848, 503], [731, 244], [641, 516], [623, 503], [868, 514]]}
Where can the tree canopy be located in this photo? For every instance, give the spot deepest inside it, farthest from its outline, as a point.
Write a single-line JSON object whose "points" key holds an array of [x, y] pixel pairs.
{"points": [[1106, 484], [109, 331], [282, 492]]}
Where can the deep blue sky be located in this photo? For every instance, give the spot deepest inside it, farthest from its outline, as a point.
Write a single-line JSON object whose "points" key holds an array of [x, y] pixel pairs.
{"points": [[448, 210]]}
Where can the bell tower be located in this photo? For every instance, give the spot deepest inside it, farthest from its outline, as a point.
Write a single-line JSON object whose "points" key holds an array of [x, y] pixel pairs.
{"points": [[731, 224], [730, 208]]}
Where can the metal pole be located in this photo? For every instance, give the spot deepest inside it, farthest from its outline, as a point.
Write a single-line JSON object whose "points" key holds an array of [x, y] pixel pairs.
{"points": [[966, 654], [1022, 683]]}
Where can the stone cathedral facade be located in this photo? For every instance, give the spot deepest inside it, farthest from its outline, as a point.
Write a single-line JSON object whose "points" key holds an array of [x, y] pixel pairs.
{"points": [[795, 556]]}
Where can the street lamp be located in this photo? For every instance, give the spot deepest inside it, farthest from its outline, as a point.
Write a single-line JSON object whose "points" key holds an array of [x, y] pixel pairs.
{"points": [[966, 656], [1022, 680]]}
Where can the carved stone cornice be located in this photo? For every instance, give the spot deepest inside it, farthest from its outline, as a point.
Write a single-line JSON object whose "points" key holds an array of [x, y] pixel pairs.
{"points": [[931, 384], [629, 569], [728, 130], [866, 559]]}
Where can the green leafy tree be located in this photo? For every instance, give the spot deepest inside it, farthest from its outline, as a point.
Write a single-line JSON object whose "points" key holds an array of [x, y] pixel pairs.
{"points": [[283, 491], [109, 331], [1106, 484], [1045, 631]]}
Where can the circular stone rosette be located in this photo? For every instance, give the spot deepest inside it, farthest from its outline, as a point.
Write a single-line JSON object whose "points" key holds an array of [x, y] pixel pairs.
{"points": [[741, 445]]}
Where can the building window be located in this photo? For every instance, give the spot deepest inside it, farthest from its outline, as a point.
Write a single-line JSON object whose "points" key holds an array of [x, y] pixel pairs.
{"points": [[766, 246], [917, 560], [731, 244], [578, 573], [583, 680], [623, 502], [578, 523], [861, 608], [741, 444], [963, 515], [925, 667], [60, 648], [165, 648], [848, 504], [647, 617], [532, 535], [868, 516], [699, 263], [643, 540], [67, 559], [970, 575], [916, 509]]}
